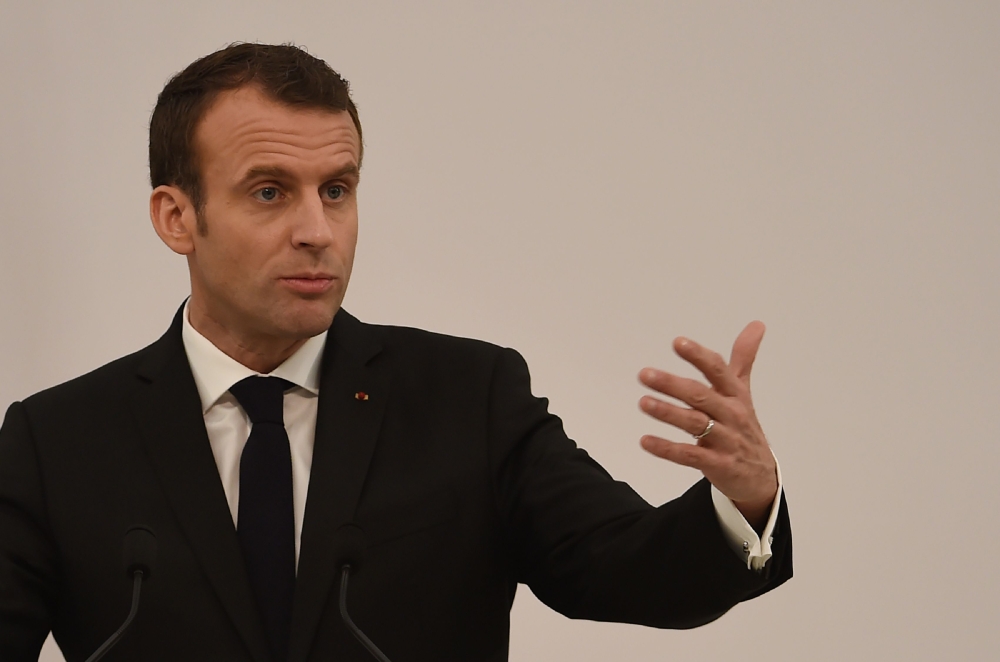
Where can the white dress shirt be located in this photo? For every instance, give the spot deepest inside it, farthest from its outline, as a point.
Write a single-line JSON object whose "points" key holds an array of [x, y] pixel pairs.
{"points": [[741, 536], [228, 426], [228, 429]]}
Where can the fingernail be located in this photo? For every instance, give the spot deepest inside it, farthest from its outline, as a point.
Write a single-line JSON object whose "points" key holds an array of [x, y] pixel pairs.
{"points": [[683, 342]]}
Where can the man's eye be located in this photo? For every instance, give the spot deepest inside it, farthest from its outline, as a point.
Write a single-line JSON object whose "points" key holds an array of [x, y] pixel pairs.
{"points": [[335, 192], [266, 194]]}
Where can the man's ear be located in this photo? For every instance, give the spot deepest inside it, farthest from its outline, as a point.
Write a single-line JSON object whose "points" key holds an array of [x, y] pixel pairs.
{"points": [[174, 218]]}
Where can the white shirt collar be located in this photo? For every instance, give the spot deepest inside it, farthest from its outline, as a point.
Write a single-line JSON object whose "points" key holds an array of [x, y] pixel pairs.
{"points": [[214, 371]]}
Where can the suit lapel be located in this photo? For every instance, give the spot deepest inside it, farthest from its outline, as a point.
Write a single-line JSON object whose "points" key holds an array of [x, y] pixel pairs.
{"points": [[168, 410], [352, 397]]}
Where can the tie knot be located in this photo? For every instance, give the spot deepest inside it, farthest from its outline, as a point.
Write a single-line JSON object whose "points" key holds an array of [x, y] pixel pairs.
{"points": [[262, 398]]}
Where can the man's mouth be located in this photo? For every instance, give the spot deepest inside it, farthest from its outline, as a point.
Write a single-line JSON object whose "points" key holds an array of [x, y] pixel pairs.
{"points": [[309, 283]]}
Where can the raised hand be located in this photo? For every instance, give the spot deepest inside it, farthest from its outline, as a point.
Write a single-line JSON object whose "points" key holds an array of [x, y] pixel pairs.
{"points": [[730, 448]]}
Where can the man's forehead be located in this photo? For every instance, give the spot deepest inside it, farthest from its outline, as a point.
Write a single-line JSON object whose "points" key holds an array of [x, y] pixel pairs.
{"points": [[248, 108], [245, 121]]}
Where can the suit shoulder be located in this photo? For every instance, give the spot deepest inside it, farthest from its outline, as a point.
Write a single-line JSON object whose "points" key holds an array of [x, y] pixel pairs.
{"points": [[413, 339], [438, 353], [109, 379]]}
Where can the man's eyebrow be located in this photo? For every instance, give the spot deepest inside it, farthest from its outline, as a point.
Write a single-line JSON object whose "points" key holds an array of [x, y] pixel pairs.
{"points": [[261, 172], [351, 170], [277, 172]]}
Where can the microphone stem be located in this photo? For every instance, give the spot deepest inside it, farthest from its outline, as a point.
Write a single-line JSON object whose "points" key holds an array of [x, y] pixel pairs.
{"points": [[136, 586], [355, 630]]}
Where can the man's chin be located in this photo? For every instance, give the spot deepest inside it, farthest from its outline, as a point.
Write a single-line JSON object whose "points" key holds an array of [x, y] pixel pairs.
{"points": [[307, 323]]}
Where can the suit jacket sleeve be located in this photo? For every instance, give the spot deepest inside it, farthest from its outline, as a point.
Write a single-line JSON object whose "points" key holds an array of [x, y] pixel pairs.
{"points": [[589, 546], [28, 568]]}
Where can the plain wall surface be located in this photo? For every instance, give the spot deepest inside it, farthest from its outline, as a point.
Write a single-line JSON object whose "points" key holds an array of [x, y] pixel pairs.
{"points": [[583, 182]]}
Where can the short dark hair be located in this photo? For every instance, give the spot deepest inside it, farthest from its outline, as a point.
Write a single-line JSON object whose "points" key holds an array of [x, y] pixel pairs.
{"points": [[283, 72]]}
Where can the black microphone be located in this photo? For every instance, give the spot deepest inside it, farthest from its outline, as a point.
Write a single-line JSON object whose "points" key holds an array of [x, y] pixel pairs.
{"points": [[349, 549], [139, 557]]}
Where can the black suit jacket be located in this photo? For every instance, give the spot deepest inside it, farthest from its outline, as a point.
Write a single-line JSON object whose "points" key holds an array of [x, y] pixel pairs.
{"points": [[463, 482]]}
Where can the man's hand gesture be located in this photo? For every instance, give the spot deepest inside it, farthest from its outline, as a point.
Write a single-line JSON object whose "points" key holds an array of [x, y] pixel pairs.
{"points": [[730, 447]]}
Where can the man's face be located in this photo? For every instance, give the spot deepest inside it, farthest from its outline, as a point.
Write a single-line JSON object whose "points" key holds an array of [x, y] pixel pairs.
{"points": [[280, 216]]}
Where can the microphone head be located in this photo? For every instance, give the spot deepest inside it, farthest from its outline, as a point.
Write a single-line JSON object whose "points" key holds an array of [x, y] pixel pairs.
{"points": [[349, 546], [140, 551]]}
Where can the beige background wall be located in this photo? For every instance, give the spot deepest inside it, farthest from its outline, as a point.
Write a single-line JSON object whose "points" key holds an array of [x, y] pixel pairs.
{"points": [[584, 181]]}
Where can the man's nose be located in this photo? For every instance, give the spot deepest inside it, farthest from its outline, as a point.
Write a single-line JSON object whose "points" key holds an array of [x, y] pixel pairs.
{"points": [[312, 225]]}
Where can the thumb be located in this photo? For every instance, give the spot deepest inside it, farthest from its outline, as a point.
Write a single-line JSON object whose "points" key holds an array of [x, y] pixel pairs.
{"points": [[745, 350]]}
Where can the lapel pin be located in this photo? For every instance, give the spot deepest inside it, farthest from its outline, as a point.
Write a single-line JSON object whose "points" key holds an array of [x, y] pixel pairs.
{"points": [[361, 395]]}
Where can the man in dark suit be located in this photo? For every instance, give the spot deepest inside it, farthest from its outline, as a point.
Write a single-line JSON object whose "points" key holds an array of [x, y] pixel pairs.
{"points": [[266, 418]]}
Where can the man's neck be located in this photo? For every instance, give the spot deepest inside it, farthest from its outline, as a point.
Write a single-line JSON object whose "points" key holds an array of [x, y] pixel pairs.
{"points": [[259, 353]]}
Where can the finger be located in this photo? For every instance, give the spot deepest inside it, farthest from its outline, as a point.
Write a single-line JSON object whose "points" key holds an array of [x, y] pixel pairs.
{"points": [[690, 420], [688, 455], [745, 350], [721, 437], [689, 391], [711, 364]]}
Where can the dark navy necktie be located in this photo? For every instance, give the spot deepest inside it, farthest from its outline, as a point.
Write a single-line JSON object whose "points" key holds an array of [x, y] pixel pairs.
{"points": [[266, 520]]}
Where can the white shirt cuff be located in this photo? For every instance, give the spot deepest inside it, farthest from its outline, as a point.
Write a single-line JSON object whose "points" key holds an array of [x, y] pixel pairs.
{"points": [[745, 542]]}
